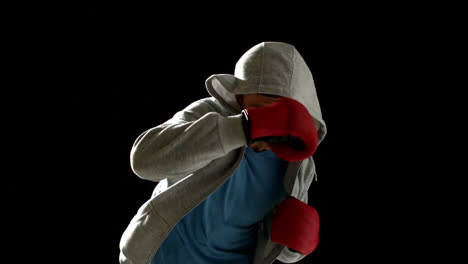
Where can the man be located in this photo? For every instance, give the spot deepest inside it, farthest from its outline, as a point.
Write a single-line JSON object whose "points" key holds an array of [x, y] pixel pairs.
{"points": [[233, 169]]}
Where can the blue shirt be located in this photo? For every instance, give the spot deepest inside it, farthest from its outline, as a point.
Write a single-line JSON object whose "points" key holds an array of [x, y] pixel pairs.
{"points": [[223, 228]]}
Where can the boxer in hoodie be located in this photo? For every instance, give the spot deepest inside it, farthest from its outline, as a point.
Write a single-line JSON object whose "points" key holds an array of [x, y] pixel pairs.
{"points": [[233, 169]]}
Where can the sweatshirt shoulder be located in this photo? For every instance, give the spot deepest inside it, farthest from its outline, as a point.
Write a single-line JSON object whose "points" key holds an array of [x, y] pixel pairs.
{"points": [[207, 102], [199, 108]]}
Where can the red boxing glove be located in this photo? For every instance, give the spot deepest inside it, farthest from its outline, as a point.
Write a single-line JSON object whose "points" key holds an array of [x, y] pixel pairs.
{"points": [[296, 225], [286, 126]]}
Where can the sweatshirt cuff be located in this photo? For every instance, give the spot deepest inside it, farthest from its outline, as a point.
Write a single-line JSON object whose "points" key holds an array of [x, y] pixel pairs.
{"points": [[288, 256], [231, 132]]}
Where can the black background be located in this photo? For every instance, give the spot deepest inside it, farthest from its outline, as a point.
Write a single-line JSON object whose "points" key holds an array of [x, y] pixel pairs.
{"points": [[87, 82]]}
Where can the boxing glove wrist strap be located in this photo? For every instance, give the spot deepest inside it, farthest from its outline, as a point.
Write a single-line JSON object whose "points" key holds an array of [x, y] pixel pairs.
{"points": [[246, 125]]}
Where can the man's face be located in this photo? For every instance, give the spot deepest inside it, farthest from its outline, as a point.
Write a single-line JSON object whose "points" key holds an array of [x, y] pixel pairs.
{"points": [[258, 100], [254, 101]]}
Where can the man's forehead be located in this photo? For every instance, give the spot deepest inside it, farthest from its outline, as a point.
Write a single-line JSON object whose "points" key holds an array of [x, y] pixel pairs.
{"points": [[269, 95]]}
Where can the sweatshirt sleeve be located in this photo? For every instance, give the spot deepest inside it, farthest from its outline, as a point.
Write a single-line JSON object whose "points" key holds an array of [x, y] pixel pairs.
{"points": [[188, 141]]}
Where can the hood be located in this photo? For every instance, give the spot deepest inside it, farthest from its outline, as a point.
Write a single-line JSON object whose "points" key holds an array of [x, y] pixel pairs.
{"points": [[272, 68]]}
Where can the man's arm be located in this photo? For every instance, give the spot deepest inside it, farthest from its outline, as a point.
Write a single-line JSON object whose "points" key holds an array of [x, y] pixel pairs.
{"points": [[188, 141], [289, 255]]}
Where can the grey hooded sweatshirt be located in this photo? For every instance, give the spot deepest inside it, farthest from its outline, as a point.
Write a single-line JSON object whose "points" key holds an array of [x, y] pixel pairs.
{"points": [[192, 154]]}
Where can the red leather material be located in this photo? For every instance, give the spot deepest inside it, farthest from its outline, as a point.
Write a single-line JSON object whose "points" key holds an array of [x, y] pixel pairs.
{"points": [[287, 117], [296, 225]]}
